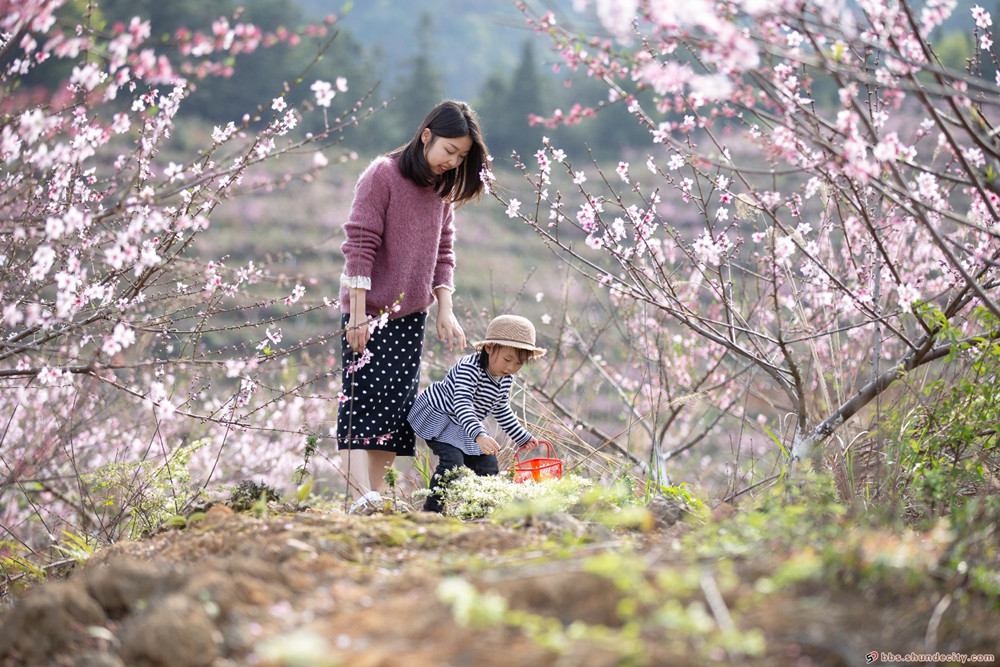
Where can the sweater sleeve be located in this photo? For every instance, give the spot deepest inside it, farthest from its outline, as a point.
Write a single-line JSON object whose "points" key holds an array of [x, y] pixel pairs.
{"points": [[444, 270], [366, 224]]}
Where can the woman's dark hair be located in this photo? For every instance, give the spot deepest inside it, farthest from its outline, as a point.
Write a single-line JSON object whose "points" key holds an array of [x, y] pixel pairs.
{"points": [[449, 119]]}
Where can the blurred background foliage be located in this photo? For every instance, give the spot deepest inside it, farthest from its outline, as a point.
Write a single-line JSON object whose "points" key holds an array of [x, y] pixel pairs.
{"points": [[412, 54]]}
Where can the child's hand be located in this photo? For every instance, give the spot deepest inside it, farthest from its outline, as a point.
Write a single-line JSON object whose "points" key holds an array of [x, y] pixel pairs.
{"points": [[531, 444], [487, 444]]}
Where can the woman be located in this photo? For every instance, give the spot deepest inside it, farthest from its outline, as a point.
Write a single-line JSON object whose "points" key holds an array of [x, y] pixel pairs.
{"points": [[399, 259]]}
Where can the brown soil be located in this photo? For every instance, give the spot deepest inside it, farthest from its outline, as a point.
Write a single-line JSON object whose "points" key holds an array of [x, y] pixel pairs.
{"points": [[323, 588]]}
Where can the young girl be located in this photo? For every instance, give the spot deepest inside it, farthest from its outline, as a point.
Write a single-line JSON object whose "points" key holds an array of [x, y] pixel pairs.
{"points": [[399, 259], [449, 413]]}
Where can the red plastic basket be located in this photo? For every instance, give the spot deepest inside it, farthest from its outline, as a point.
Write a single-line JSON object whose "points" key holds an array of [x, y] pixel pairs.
{"points": [[537, 469]]}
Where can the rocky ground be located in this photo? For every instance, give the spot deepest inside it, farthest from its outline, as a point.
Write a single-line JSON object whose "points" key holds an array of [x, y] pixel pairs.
{"points": [[318, 587]]}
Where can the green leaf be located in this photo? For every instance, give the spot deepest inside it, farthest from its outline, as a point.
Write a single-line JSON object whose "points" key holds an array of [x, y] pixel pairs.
{"points": [[304, 489]]}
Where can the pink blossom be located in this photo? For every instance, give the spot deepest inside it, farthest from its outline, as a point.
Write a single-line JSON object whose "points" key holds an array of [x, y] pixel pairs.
{"points": [[784, 248], [379, 322], [666, 78], [617, 15], [544, 165], [324, 93], [54, 228], [296, 294], [287, 123], [12, 315], [44, 257], [622, 171], [174, 172], [248, 385], [121, 123], [50, 376], [359, 362], [586, 217], [165, 410], [661, 133], [710, 251], [264, 147], [512, 208], [982, 17], [907, 295], [221, 135], [270, 338], [89, 76], [148, 257]]}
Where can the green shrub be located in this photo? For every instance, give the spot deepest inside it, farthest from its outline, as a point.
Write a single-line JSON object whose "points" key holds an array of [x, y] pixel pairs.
{"points": [[133, 499], [249, 493], [947, 447]]}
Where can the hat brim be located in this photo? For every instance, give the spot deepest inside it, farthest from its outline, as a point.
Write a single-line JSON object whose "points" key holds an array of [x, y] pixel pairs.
{"points": [[535, 351]]}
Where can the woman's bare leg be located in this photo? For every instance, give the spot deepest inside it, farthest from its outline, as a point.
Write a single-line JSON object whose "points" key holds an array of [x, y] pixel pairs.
{"points": [[355, 464], [378, 462]]}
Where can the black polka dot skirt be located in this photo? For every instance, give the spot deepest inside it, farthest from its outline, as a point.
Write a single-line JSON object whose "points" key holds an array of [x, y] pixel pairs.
{"points": [[377, 396]]}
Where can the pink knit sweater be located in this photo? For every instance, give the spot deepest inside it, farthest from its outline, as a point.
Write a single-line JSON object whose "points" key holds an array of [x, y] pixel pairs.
{"points": [[399, 235]]}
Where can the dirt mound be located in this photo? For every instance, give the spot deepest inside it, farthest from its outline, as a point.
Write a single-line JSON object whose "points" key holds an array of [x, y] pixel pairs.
{"points": [[322, 588], [212, 594]]}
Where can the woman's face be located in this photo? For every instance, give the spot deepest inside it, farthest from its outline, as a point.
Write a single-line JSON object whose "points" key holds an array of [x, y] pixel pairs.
{"points": [[444, 153]]}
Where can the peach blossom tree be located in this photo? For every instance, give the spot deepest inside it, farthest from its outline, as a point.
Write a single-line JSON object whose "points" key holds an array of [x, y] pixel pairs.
{"points": [[812, 227], [116, 403]]}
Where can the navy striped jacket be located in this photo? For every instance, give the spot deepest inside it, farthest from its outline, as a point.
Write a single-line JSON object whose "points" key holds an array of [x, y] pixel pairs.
{"points": [[452, 410]]}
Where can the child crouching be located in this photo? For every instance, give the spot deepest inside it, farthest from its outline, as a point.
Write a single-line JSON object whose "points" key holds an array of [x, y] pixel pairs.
{"points": [[449, 414]]}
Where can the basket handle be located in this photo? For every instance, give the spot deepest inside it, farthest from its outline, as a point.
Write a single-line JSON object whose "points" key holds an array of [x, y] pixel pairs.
{"points": [[548, 449]]}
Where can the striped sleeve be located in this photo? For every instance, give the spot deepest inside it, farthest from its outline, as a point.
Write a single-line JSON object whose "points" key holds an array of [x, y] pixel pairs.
{"points": [[506, 419], [466, 381], [467, 395]]}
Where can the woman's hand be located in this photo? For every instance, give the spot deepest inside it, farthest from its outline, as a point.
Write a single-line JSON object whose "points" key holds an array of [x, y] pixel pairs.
{"points": [[448, 329], [358, 331]]}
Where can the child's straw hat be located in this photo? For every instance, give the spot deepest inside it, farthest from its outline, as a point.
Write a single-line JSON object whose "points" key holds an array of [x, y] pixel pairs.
{"points": [[512, 331]]}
